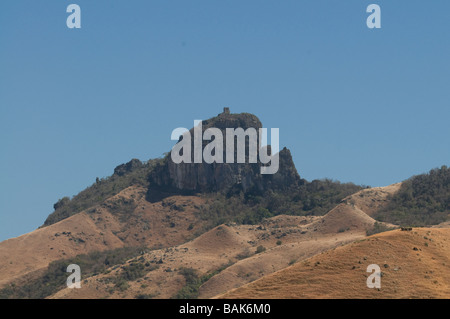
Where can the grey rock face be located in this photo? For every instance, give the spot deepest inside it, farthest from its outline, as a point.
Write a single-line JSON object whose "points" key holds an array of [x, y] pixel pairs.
{"points": [[203, 177]]}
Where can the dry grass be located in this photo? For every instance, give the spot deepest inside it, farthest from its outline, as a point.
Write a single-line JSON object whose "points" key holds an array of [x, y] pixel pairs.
{"points": [[341, 273], [304, 257], [100, 228]]}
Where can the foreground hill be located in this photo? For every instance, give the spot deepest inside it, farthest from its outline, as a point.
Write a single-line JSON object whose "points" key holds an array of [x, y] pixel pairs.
{"points": [[230, 255], [124, 220], [227, 256], [415, 264]]}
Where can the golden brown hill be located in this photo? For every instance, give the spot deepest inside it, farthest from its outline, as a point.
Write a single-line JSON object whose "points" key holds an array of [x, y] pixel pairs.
{"points": [[344, 217], [285, 239], [300, 238], [123, 220], [371, 200], [414, 264], [228, 251], [161, 279]]}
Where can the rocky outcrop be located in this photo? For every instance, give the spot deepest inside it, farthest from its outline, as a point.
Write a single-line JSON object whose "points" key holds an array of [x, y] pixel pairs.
{"points": [[170, 177], [128, 167]]}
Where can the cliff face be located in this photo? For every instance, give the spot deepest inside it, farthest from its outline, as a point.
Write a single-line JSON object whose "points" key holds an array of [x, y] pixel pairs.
{"points": [[202, 177]]}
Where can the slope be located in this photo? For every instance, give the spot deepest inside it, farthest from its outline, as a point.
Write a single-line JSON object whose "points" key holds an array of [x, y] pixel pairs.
{"points": [[123, 220], [228, 256], [415, 264]]}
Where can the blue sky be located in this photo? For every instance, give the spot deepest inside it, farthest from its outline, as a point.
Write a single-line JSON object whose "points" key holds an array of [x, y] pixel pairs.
{"points": [[352, 104]]}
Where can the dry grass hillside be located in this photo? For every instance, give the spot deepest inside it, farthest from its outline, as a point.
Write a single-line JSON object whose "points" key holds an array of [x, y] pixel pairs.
{"points": [[414, 264], [343, 224], [178, 262], [123, 220], [229, 256], [227, 253], [370, 200]]}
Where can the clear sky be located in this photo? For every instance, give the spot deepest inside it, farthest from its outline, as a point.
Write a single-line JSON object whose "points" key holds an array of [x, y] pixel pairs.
{"points": [[352, 104]]}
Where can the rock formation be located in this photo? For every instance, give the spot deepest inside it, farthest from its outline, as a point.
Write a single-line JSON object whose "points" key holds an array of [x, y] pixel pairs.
{"points": [[127, 167], [170, 177]]}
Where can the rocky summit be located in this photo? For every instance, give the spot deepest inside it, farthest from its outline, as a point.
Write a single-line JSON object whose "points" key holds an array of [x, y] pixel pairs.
{"points": [[192, 177]]}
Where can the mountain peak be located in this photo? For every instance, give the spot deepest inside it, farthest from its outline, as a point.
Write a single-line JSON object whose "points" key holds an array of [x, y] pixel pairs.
{"points": [[171, 177]]}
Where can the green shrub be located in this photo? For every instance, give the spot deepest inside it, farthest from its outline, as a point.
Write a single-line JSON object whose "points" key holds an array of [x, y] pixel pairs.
{"points": [[260, 249], [133, 271], [422, 200], [377, 228], [292, 261], [122, 285], [193, 282]]}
